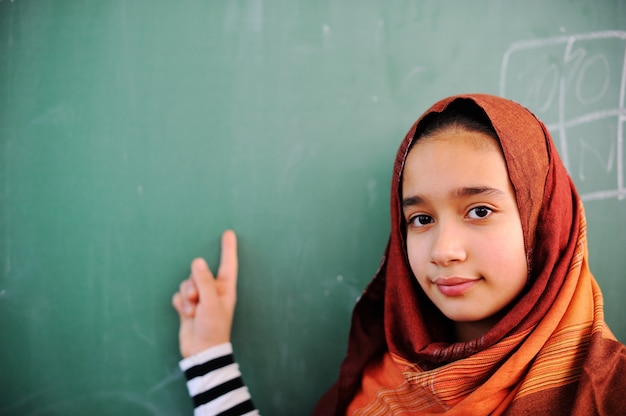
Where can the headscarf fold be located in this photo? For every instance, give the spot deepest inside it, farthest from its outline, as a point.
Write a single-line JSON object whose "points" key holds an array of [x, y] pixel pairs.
{"points": [[551, 353]]}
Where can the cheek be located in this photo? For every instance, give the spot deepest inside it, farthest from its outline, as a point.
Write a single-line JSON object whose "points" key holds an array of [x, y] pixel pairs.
{"points": [[520, 266], [416, 255], [509, 255]]}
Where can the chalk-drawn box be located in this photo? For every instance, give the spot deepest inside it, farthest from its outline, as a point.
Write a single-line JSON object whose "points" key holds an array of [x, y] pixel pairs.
{"points": [[576, 85]]}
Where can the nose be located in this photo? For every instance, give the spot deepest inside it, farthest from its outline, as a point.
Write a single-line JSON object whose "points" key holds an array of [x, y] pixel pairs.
{"points": [[448, 245]]}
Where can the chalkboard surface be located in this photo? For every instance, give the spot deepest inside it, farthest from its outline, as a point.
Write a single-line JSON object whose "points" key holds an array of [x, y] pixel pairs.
{"points": [[133, 132]]}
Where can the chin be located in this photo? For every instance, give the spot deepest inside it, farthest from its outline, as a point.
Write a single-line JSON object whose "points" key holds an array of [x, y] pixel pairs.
{"points": [[458, 316]]}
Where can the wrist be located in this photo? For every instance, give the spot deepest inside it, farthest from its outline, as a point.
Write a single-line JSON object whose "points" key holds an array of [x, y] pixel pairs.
{"points": [[204, 355]]}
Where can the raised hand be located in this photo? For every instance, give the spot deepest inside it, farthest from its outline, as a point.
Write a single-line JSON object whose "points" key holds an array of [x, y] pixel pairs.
{"points": [[206, 304]]}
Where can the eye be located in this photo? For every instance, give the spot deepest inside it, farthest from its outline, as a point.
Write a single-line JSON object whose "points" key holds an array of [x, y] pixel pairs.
{"points": [[479, 212], [421, 220]]}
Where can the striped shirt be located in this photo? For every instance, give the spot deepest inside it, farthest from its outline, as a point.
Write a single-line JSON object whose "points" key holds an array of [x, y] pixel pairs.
{"points": [[215, 384]]}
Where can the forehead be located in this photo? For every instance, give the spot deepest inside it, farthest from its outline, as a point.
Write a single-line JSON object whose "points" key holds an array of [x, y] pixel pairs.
{"points": [[455, 158], [479, 141]]}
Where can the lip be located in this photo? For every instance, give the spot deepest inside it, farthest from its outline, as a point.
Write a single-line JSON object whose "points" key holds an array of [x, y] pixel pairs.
{"points": [[454, 286]]}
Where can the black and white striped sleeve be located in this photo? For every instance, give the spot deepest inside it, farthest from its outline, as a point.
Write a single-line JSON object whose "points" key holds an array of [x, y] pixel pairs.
{"points": [[215, 384]]}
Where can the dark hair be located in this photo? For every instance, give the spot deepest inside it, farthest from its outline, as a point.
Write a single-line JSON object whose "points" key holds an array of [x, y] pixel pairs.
{"points": [[461, 113]]}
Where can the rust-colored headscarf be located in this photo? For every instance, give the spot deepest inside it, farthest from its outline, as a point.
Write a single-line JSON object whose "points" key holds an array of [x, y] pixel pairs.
{"points": [[551, 353]]}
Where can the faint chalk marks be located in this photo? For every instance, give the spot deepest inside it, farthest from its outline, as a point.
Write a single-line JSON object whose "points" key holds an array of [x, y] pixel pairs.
{"points": [[372, 192], [174, 376], [413, 73], [61, 114], [132, 403], [286, 176]]}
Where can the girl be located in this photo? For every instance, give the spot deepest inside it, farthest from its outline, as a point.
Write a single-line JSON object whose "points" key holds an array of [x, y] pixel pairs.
{"points": [[484, 302]]}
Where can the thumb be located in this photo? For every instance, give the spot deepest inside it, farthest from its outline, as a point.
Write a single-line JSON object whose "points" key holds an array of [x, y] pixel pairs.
{"points": [[203, 279]]}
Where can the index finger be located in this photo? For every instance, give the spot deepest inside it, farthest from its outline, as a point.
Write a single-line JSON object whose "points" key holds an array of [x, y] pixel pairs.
{"points": [[228, 260]]}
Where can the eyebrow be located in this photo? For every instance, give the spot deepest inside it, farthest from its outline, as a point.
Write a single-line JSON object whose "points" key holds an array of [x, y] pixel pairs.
{"points": [[459, 193], [479, 190]]}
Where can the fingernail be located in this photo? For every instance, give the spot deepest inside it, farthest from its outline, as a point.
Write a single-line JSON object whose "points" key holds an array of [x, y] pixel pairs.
{"points": [[199, 265]]}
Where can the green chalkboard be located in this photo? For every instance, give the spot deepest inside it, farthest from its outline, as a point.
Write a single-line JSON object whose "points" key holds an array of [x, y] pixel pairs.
{"points": [[133, 132]]}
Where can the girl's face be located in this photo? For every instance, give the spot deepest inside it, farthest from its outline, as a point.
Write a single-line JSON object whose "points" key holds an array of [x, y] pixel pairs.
{"points": [[464, 236]]}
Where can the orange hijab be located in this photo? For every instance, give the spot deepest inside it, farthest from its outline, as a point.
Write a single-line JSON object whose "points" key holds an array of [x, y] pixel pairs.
{"points": [[552, 352]]}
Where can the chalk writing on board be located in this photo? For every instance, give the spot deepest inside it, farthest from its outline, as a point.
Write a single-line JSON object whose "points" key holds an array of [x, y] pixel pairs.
{"points": [[576, 85]]}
